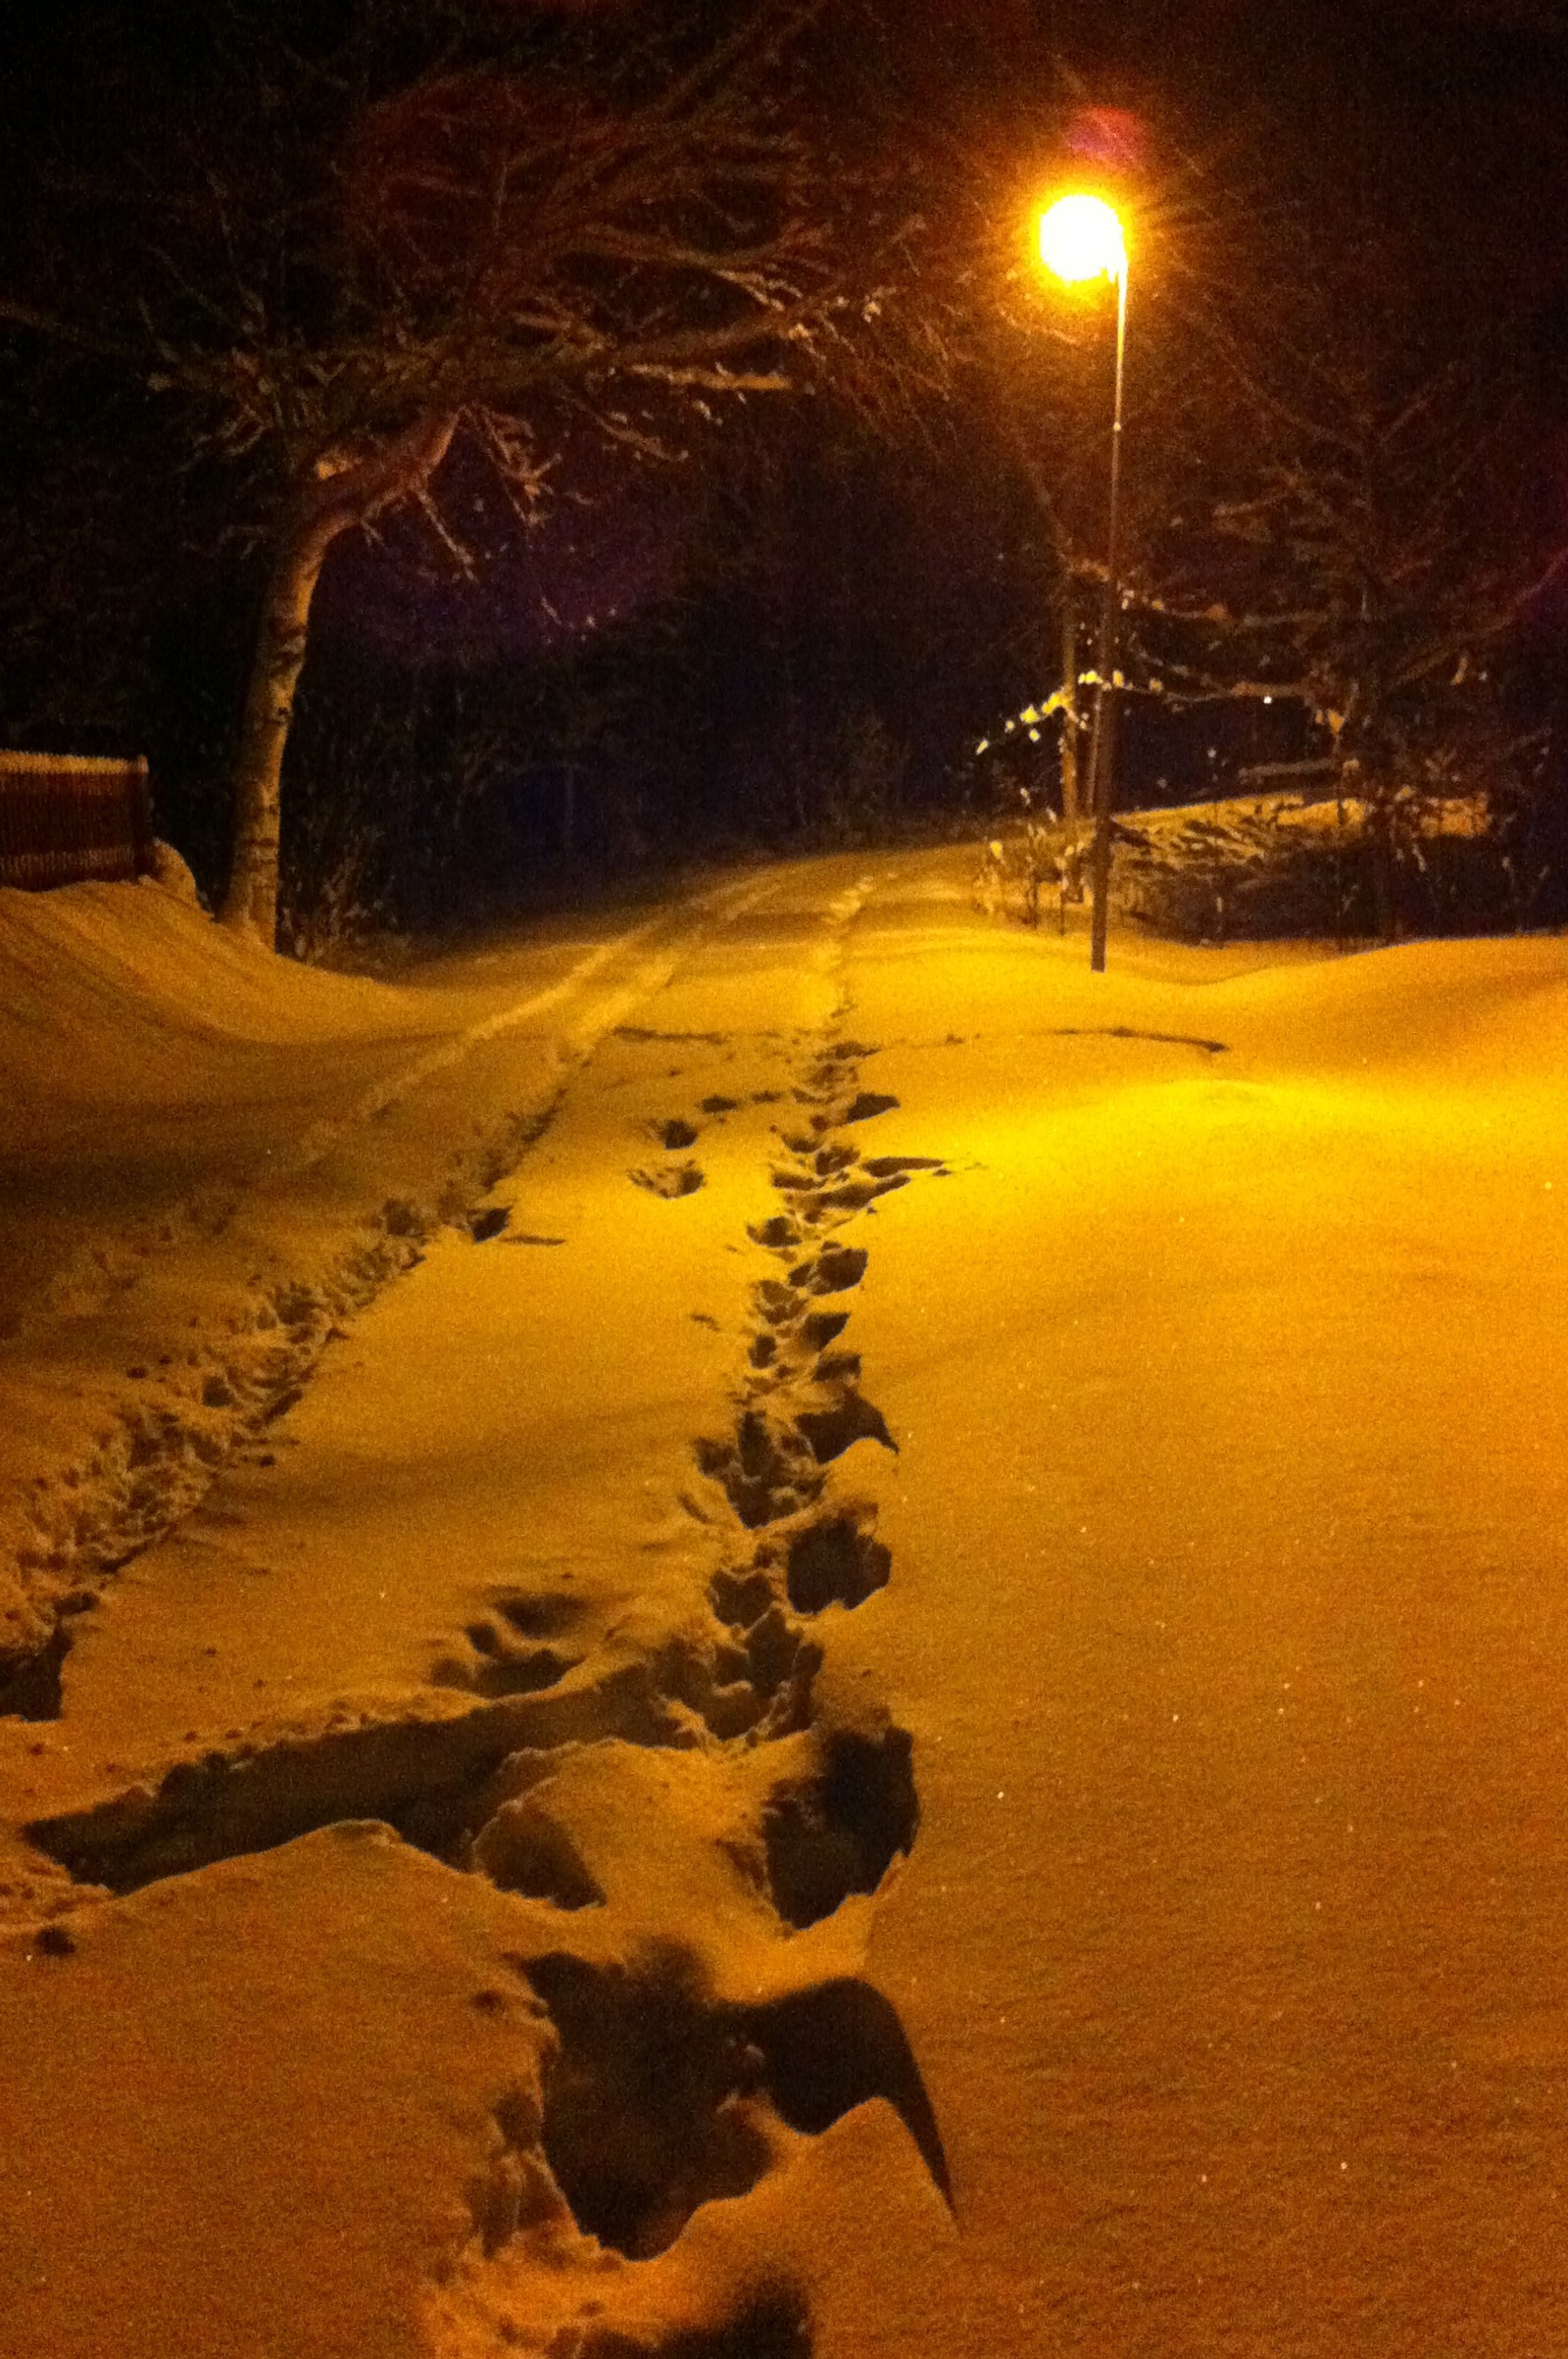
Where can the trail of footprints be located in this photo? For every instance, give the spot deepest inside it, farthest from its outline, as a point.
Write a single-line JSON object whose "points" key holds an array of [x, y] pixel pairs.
{"points": [[659, 2097], [652, 2109]]}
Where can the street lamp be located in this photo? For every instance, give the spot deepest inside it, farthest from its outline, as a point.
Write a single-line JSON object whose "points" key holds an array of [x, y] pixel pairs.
{"points": [[1080, 239]]}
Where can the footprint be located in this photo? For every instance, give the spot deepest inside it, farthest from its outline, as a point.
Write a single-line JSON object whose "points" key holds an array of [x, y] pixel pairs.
{"points": [[670, 1181], [674, 1132], [741, 1598], [497, 1666], [836, 1561], [766, 1473], [653, 2105], [835, 1269], [839, 1831], [852, 1195], [830, 1432], [779, 1234], [538, 1613], [868, 1102]]}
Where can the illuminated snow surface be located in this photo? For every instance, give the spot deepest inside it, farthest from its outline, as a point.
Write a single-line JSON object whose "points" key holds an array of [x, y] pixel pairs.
{"points": [[827, 1639]]}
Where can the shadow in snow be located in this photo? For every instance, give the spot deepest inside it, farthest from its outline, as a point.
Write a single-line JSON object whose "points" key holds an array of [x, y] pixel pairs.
{"points": [[1169, 1040]]}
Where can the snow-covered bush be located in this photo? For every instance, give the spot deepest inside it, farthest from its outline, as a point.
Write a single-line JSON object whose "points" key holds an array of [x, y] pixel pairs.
{"points": [[1426, 859], [1033, 859]]}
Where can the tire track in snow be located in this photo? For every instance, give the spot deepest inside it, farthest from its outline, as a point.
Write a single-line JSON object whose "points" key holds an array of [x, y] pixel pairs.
{"points": [[197, 1387]]}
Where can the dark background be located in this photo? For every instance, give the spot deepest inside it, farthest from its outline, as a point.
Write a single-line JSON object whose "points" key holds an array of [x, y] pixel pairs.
{"points": [[800, 634]]}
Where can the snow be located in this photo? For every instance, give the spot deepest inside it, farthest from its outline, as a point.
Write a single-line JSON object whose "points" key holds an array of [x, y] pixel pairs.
{"points": [[207, 1158], [1253, 1829], [961, 1717]]}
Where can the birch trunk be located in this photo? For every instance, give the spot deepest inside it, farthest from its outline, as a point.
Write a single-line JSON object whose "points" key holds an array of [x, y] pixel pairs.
{"points": [[332, 505], [250, 905]]}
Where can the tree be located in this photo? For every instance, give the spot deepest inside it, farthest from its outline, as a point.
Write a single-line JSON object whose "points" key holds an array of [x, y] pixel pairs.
{"points": [[342, 249], [1360, 529]]}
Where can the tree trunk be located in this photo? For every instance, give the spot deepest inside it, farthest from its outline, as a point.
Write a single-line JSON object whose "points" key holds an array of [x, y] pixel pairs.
{"points": [[1379, 824], [1069, 710], [329, 505], [250, 905]]}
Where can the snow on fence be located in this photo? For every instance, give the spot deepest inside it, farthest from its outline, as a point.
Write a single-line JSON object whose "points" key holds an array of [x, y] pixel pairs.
{"points": [[66, 817]]}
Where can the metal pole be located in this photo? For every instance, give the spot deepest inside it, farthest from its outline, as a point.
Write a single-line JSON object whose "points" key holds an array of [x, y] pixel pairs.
{"points": [[1101, 755]]}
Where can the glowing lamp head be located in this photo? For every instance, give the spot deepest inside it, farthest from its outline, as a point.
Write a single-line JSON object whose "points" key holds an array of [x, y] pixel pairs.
{"points": [[1081, 238]]}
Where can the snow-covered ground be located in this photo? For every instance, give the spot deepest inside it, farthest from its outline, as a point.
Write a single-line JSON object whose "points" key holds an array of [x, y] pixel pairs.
{"points": [[829, 1639]]}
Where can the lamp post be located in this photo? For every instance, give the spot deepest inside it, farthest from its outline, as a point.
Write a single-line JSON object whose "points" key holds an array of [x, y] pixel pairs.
{"points": [[1081, 238]]}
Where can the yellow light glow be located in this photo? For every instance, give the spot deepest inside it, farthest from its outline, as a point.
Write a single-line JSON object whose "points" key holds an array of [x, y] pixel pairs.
{"points": [[1081, 238]]}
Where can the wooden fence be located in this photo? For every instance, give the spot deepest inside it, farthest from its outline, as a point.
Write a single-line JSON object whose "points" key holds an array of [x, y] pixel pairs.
{"points": [[66, 817]]}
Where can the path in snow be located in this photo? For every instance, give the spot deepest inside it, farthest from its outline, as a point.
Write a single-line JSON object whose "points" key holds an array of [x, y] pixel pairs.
{"points": [[533, 1570]]}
